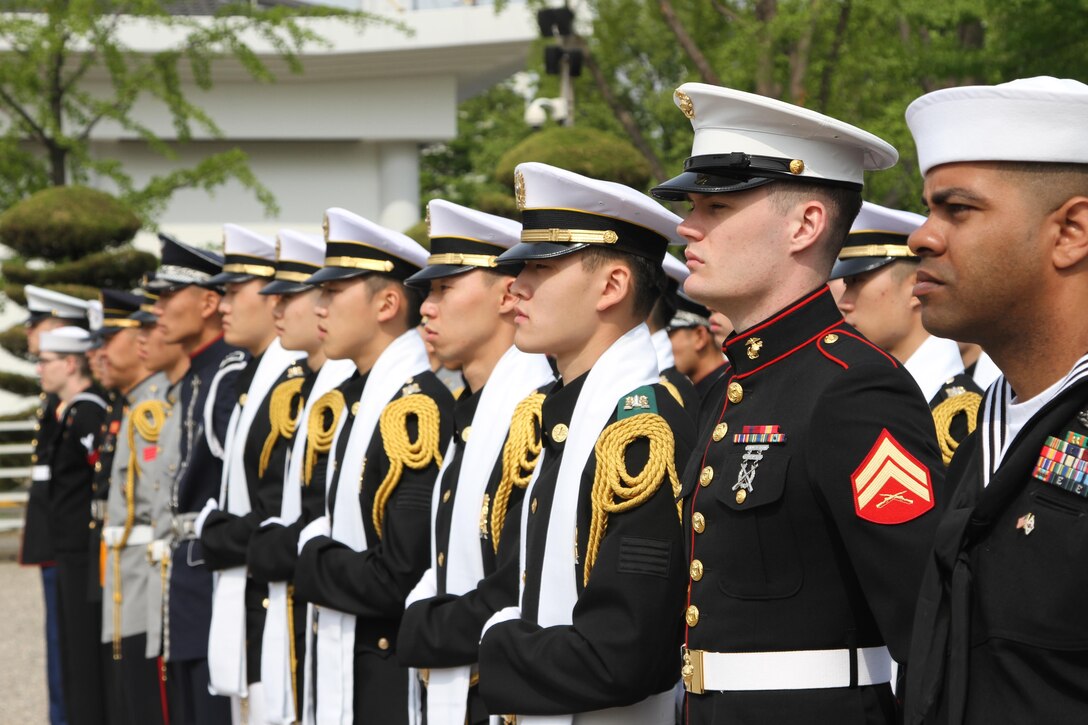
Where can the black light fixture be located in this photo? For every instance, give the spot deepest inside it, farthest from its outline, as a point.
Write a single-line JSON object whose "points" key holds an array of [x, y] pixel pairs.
{"points": [[555, 21]]}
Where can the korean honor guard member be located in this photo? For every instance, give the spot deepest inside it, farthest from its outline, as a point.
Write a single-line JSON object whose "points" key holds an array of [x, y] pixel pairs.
{"points": [[268, 395], [594, 637], [188, 312], [273, 548], [475, 510], [1000, 634], [811, 502], [878, 270], [358, 564]]}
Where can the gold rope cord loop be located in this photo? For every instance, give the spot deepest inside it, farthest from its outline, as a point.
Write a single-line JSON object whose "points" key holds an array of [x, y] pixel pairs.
{"points": [[943, 415], [291, 640], [615, 490], [146, 419], [319, 435], [520, 454], [673, 390], [401, 451], [284, 411]]}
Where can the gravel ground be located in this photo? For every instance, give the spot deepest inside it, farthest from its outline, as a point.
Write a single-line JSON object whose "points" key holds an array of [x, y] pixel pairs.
{"points": [[22, 639]]}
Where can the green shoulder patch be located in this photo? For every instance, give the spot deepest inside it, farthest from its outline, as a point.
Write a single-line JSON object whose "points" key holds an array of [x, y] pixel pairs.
{"points": [[640, 400]]}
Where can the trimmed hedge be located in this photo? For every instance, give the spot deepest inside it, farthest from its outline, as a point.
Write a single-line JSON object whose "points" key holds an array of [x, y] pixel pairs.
{"points": [[66, 222], [13, 340], [16, 294], [117, 269], [18, 384], [582, 150]]}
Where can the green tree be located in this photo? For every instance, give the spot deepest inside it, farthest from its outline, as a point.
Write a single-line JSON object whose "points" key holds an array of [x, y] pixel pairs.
{"points": [[50, 49]]}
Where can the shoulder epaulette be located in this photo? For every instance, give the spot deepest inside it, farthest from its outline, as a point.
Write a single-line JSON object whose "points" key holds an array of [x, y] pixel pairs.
{"points": [[520, 454], [965, 403], [401, 451], [282, 415], [319, 436], [640, 400]]}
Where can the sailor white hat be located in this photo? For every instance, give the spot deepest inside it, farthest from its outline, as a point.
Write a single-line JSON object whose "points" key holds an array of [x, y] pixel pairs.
{"points": [[44, 303], [65, 340], [298, 257], [1038, 119], [355, 246], [878, 237], [463, 239], [246, 255], [744, 140], [562, 212]]}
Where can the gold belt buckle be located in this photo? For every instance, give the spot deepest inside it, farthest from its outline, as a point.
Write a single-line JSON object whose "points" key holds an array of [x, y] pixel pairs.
{"points": [[692, 671]]}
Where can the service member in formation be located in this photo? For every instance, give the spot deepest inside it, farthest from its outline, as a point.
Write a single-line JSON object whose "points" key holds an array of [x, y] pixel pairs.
{"points": [[188, 312], [697, 354], [1000, 634], [878, 270], [811, 502], [48, 311], [596, 631], [273, 548], [133, 690], [268, 395], [470, 322], [676, 382], [73, 450], [358, 564]]}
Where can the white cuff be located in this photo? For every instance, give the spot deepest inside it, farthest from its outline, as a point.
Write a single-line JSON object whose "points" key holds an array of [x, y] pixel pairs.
{"points": [[198, 525], [425, 589], [503, 615], [317, 527], [274, 521]]}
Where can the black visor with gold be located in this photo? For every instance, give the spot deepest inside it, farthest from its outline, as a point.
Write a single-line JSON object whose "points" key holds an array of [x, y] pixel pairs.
{"points": [[867, 250], [550, 233]]}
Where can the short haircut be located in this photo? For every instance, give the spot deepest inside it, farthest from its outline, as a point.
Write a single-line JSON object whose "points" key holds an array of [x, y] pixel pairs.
{"points": [[647, 278], [413, 298], [1052, 184], [665, 307], [83, 365], [842, 204]]}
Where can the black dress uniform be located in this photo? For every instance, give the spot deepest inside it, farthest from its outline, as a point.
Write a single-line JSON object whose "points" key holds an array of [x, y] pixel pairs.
{"points": [[373, 584], [808, 512], [100, 491], [226, 537], [1000, 631], [73, 453], [188, 609], [37, 546], [444, 630], [637, 578]]}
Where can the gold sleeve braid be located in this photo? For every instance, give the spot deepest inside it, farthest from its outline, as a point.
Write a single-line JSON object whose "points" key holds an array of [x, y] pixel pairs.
{"points": [[284, 410], [673, 391], [402, 451], [520, 454], [615, 490], [145, 419], [945, 413], [318, 435]]}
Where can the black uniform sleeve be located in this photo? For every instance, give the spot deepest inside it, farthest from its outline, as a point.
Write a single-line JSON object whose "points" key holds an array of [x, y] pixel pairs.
{"points": [[225, 538], [893, 423], [273, 551], [624, 640]]}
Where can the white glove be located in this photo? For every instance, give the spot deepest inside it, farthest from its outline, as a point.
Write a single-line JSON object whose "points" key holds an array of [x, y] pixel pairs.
{"points": [[503, 615], [274, 521], [198, 525], [317, 527], [425, 589]]}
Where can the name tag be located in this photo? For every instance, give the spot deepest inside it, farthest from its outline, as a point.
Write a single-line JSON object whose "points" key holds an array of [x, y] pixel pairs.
{"points": [[40, 473]]}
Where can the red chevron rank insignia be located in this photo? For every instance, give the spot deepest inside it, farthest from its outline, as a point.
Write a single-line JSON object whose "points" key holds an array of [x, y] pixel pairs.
{"points": [[891, 486]]}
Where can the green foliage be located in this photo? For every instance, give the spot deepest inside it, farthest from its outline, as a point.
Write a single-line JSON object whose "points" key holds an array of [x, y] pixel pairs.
{"points": [[120, 269], [581, 150], [18, 384], [15, 293], [13, 340], [418, 232], [66, 222]]}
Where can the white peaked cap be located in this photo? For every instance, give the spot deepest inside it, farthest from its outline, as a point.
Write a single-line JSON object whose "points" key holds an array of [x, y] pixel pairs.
{"points": [[239, 241], [345, 226], [876, 218], [675, 269], [41, 301], [65, 340], [1040, 119], [446, 219], [301, 247]]}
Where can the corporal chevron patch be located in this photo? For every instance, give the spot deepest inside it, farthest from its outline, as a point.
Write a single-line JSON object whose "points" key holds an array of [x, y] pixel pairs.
{"points": [[891, 486]]}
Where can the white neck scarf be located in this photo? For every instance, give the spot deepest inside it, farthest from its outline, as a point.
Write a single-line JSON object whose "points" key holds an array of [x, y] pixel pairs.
{"points": [[934, 362], [276, 641], [227, 636], [663, 349], [516, 375], [404, 358]]}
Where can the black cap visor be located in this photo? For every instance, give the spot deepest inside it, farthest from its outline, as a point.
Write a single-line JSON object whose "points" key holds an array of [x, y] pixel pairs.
{"points": [[332, 274], [224, 278], [861, 265], [701, 182], [285, 287], [529, 251], [422, 279]]}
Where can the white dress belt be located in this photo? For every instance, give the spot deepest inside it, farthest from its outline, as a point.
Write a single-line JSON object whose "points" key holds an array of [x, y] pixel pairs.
{"points": [[792, 670], [140, 535]]}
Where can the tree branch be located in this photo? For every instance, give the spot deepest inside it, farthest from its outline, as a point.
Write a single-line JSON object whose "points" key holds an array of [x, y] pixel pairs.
{"points": [[833, 55], [706, 72], [725, 11], [18, 110]]}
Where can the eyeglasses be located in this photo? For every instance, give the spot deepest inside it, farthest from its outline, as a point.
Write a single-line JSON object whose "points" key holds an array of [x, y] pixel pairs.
{"points": [[46, 360]]}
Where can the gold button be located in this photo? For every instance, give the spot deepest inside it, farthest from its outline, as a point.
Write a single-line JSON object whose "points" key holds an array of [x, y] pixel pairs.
{"points": [[706, 476], [355, 408], [90, 525], [696, 569], [265, 602], [742, 495], [691, 616], [37, 426], [559, 432], [33, 457], [735, 393], [831, 338], [466, 433], [719, 431], [446, 496], [441, 558], [698, 522], [383, 644], [98, 466], [523, 576], [242, 399], [532, 508], [34, 442]]}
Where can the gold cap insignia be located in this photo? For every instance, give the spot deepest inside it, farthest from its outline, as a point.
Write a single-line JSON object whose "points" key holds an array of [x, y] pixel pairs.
{"points": [[325, 227], [427, 219], [683, 100], [279, 248], [754, 345], [519, 190], [797, 166]]}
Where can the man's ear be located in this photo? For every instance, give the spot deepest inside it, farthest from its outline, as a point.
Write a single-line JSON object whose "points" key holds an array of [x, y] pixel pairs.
{"points": [[388, 302], [1070, 225], [507, 299], [808, 220], [703, 338], [617, 285], [209, 303]]}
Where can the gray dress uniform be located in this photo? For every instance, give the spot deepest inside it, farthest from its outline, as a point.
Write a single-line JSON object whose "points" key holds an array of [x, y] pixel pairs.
{"points": [[134, 688]]}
